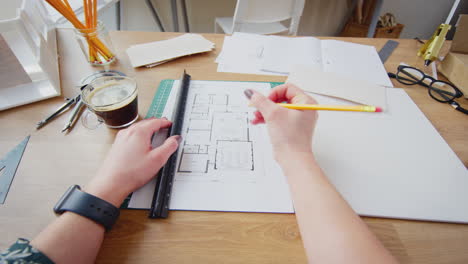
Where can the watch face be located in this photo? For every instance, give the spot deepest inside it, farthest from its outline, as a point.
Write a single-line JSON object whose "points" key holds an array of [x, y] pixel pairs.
{"points": [[58, 206]]}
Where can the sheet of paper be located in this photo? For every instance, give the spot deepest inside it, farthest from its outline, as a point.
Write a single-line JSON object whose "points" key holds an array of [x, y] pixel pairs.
{"points": [[224, 162], [355, 61], [243, 53], [157, 52], [281, 54], [392, 164], [328, 83]]}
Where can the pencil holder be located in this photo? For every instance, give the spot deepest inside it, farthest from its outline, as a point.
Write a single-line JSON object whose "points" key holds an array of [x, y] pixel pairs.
{"points": [[96, 45]]}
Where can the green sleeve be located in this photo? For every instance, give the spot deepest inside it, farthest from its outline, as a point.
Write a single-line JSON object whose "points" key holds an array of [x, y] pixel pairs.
{"points": [[23, 253]]}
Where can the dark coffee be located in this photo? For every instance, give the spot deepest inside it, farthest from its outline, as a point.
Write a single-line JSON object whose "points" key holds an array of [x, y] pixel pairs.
{"points": [[114, 101], [121, 116]]}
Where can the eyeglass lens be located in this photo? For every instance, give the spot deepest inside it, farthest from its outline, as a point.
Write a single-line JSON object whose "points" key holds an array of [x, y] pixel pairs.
{"points": [[409, 75], [442, 91]]}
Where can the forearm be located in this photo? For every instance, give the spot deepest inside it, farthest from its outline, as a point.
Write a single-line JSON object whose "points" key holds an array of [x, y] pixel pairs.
{"points": [[330, 229], [73, 238]]}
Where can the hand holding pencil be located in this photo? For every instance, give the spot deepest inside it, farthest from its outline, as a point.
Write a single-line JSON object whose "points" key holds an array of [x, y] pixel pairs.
{"points": [[290, 131]]}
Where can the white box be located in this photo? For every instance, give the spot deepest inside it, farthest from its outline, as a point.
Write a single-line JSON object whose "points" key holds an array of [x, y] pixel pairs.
{"points": [[28, 50]]}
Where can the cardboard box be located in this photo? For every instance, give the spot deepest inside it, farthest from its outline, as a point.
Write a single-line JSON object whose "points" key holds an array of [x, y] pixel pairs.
{"points": [[455, 68], [455, 64], [460, 40]]}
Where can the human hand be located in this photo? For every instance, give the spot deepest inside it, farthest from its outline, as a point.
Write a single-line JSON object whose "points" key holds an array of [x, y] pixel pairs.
{"points": [[290, 130], [131, 162]]}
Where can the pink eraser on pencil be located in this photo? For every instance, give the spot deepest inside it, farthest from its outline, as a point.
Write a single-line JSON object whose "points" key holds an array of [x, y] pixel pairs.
{"points": [[378, 109]]}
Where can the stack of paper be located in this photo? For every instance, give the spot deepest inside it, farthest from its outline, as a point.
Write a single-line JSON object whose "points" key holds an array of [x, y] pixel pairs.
{"points": [[259, 54], [158, 52]]}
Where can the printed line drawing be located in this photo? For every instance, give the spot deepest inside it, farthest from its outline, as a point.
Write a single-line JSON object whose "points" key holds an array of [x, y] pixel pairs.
{"points": [[216, 135]]}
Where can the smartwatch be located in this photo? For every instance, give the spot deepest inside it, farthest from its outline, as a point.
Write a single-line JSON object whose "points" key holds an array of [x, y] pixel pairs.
{"points": [[89, 206]]}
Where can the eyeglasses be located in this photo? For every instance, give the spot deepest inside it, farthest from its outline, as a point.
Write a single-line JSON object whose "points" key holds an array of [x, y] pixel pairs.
{"points": [[439, 90]]}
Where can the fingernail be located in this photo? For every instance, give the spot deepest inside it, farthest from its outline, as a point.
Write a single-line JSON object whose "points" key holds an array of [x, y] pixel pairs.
{"points": [[248, 93], [178, 138]]}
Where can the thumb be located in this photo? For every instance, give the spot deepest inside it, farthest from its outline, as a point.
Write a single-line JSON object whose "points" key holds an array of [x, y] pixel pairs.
{"points": [[264, 105], [161, 154]]}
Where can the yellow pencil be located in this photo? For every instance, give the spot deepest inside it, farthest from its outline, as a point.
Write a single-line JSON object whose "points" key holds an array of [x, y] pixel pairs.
{"points": [[355, 108]]}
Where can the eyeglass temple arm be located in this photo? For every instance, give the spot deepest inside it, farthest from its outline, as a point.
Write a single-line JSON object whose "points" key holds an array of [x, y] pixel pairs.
{"points": [[458, 107]]}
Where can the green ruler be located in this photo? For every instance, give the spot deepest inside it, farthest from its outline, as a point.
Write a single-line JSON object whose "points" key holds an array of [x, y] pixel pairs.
{"points": [[160, 99], [162, 95]]}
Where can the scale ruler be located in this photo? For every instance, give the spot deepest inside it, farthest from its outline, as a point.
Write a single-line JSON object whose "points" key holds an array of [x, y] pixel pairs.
{"points": [[162, 194], [387, 50]]}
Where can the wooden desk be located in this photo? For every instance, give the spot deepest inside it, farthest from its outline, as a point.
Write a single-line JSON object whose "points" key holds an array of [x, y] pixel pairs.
{"points": [[53, 161]]}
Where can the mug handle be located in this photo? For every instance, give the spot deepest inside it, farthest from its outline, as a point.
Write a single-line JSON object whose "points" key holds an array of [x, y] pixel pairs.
{"points": [[90, 120]]}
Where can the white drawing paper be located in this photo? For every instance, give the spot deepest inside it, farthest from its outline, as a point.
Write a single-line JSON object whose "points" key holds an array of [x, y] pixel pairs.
{"points": [[275, 55], [243, 53], [354, 61], [392, 164], [281, 54]]}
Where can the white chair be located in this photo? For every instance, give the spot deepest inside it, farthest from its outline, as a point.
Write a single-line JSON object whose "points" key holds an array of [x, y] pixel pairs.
{"points": [[262, 17]]}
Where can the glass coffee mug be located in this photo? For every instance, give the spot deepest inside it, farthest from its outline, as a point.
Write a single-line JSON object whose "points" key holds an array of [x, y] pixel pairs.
{"points": [[113, 100]]}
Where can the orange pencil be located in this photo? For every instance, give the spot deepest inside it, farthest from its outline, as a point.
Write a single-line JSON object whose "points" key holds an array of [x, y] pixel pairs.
{"points": [[354, 108]]}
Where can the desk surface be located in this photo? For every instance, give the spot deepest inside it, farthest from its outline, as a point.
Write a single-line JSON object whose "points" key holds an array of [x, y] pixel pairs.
{"points": [[53, 161]]}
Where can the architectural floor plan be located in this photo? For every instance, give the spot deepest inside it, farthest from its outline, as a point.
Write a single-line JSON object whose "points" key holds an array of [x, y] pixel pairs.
{"points": [[221, 160], [217, 136], [224, 162]]}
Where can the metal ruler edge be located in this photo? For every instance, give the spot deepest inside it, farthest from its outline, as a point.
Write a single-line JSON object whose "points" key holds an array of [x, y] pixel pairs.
{"points": [[387, 50]]}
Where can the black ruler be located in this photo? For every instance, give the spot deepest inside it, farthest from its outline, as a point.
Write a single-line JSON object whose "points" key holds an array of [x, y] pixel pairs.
{"points": [[162, 193]]}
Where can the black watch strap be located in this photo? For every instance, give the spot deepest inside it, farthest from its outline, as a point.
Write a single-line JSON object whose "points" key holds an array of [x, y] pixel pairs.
{"points": [[87, 205]]}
